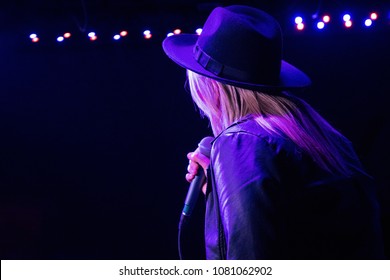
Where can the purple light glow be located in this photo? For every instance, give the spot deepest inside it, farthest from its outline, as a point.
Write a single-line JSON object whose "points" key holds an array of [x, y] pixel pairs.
{"points": [[368, 22], [320, 25], [347, 17], [298, 20]]}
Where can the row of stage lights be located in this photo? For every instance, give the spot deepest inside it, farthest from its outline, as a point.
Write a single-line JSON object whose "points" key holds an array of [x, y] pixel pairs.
{"points": [[299, 25], [147, 34], [347, 21]]}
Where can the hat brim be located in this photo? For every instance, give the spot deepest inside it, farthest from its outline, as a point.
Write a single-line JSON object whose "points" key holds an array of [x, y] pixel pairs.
{"points": [[180, 47]]}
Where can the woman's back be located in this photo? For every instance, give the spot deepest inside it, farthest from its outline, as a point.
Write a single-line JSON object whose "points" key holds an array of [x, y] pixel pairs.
{"points": [[277, 203]]}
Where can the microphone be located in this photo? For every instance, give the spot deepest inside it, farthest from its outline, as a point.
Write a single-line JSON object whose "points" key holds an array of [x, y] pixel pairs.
{"points": [[196, 184]]}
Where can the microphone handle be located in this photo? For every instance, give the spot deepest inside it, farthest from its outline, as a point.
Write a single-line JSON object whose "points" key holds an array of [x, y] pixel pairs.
{"points": [[200, 178], [193, 192]]}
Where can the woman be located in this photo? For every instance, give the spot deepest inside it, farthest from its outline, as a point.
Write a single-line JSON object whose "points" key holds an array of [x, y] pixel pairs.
{"points": [[281, 182]]}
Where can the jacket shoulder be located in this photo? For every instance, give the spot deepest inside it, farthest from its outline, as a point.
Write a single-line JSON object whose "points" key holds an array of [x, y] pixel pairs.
{"points": [[249, 132]]}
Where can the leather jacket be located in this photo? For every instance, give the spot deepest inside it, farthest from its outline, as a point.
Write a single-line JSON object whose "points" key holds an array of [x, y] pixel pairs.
{"points": [[266, 199]]}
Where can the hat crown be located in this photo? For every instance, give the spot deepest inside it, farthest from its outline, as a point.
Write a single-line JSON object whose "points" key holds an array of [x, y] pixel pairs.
{"points": [[239, 46], [244, 41]]}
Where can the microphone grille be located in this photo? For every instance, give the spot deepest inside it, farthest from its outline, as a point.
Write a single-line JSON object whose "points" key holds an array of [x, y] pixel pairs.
{"points": [[205, 146]]}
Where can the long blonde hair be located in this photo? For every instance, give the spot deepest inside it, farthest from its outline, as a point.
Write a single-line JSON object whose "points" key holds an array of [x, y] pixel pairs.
{"points": [[283, 115]]}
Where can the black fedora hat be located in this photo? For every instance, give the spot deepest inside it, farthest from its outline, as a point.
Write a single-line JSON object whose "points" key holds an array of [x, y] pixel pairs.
{"points": [[240, 46]]}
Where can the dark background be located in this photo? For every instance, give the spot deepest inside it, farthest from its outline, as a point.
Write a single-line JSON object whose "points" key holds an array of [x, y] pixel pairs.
{"points": [[94, 135]]}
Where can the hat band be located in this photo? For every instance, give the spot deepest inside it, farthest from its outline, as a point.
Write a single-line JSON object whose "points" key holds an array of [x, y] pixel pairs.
{"points": [[217, 68]]}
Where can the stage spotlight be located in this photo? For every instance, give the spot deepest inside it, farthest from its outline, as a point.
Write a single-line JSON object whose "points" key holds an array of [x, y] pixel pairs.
{"points": [[117, 37], [298, 20], [93, 38], [368, 22], [123, 33], [60, 39], [199, 31], [374, 16], [177, 31], [67, 35], [348, 24], [326, 18], [35, 40], [347, 17], [170, 34], [320, 25], [147, 34], [300, 26], [91, 34], [33, 35]]}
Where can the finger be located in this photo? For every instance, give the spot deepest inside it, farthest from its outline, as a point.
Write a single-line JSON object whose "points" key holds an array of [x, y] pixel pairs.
{"points": [[193, 167], [189, 177], [201, 159], [204, 188]]}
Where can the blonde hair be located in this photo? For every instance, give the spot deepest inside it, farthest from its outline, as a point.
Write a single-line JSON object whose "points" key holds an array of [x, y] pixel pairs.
{"points": [[283, 115]]}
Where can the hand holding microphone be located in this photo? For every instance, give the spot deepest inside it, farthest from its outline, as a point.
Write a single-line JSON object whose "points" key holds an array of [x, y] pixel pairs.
{"points": [[196, 175], [197, 162]]}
